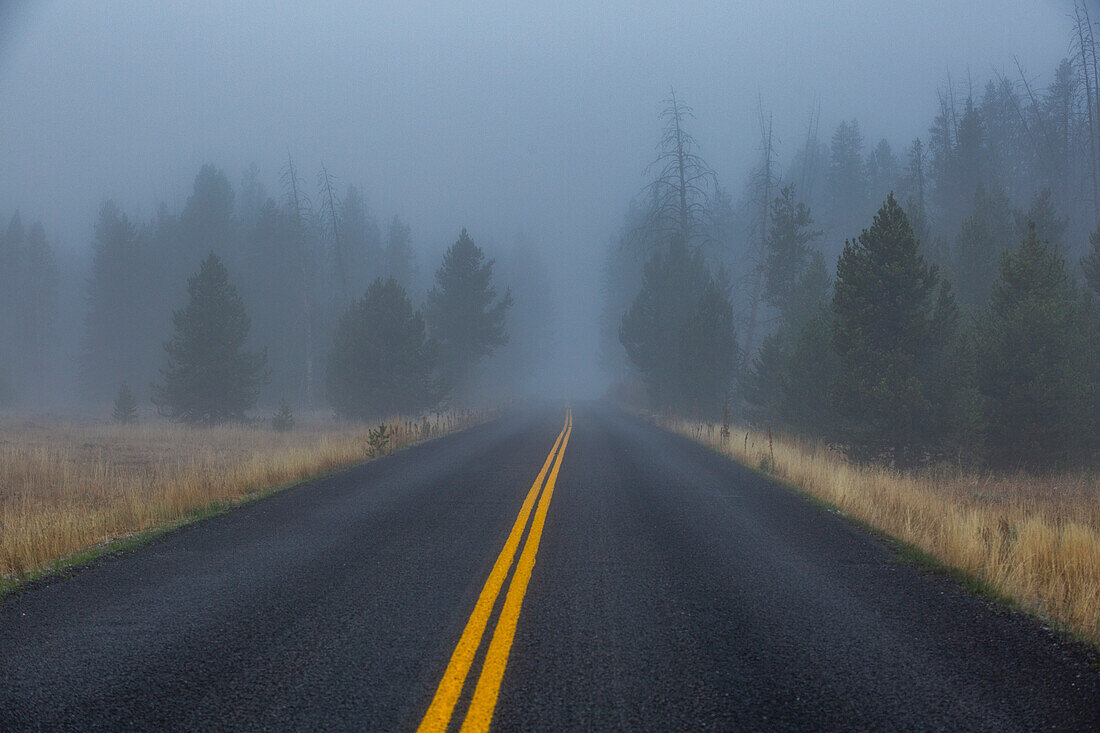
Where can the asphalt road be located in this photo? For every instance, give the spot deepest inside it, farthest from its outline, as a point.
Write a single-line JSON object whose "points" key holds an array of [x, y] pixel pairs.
{"points": [[665, 588]]}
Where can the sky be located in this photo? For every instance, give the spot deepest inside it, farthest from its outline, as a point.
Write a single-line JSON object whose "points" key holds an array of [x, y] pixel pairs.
{"points": [[524, 122]]}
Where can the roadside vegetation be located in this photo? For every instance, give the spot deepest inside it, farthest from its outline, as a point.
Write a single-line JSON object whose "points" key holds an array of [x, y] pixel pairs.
{"points": [[78, 488], [911, 338], [1030, 539]]}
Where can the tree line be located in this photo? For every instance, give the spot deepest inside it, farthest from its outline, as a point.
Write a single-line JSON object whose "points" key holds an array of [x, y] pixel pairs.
{"points": [[960, 319], [306, 287]]}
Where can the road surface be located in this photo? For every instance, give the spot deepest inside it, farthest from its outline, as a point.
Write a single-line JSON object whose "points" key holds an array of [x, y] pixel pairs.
{"points": [[536, 572]]}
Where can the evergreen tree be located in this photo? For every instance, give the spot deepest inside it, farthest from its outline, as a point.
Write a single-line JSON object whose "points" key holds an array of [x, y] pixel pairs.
{"points": [[762, 385], [1049, 227], [786, 247], [283, 420], [360, 231], [125, 409], [464, 315], [113, 346], [400, 261], [381, 362], [883, 171], [806, 382], [792, 362], [1090, 264], [891, 332], [984, 236], [209, 377], [913, 190], [708, 348], [206, 223], [681, 316], [847, 177], [1032, 372]]}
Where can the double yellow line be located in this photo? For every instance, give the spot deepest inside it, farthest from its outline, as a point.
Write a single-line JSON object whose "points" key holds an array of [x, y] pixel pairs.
{"points": [[480, 712]]}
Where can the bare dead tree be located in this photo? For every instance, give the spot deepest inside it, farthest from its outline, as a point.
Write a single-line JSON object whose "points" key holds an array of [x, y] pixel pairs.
{"points": [[682, 181], [1085, 47], [764, 181], [301, 210], [330, 221], [808, 174]]}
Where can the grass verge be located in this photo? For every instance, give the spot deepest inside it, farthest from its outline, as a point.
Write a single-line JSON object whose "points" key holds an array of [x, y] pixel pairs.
{"points": [[73, 491], [1031, 540]]}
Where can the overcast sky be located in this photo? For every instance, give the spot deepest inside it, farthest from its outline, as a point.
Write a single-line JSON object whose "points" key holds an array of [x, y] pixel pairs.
{"points": [[512, 119]]}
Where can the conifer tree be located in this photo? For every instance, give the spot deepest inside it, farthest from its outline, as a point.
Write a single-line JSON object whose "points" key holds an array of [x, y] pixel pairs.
{"points": [[464, 314], [1032, 371], [283, 420], [125, 409], [891, 332], [984, 236], [786, 251], [679, 332], [210, 377], [1090, 263], [381, 361], [400, 258]]}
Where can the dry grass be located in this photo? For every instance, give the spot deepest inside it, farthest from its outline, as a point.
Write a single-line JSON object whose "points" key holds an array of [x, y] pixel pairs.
{"points": [[1033, 539], [67, 486]]}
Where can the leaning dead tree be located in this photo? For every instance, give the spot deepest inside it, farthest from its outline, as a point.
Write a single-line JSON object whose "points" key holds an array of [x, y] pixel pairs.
{"points": [[330, 221], [1084, 46], [763, 184], [301, 212], [682, 182]]}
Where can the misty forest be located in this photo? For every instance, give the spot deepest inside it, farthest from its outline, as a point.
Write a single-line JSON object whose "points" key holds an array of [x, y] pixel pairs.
{"points": [[909, 300]]}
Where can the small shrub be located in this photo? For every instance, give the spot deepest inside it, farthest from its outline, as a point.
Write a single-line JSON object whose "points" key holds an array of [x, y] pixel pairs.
{"points": [[283, 420], [378, 440]]}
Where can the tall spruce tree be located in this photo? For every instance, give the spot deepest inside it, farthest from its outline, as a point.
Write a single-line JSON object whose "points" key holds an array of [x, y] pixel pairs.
{"points": [[1033, 371], [381, 361], [984, 236], [210, 377], [679, 332], [786, 247], [112, 347], [464, 315], [891, 333], [400, 258]]}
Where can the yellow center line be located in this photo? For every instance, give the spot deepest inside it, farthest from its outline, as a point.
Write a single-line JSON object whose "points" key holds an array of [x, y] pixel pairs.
{"points": [[484, 701], [439, 712]]}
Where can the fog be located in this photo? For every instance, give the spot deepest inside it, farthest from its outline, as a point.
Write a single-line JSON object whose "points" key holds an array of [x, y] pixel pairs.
{"points": [[529, 126]]}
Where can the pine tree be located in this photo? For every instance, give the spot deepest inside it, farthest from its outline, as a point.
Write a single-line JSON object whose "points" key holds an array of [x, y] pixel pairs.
{"points": [[806, 381], [125, 409], [400, 261], [847, 177], [1032, 372], [786, 250], [209, 377], [283, 420], [381, 361], [1049, 227], [762, 386], [984, 236], [465, 316], [679, 332], [112, 347], [708, 348], [1090, 264], [890, 333]]}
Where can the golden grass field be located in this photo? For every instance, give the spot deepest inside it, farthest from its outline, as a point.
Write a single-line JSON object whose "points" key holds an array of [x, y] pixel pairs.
{"points": [[1032, 539], [70, 486]]}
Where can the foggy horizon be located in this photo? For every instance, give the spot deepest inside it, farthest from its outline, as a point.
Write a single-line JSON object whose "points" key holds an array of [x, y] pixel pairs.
{"points": [[531, 125]]}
